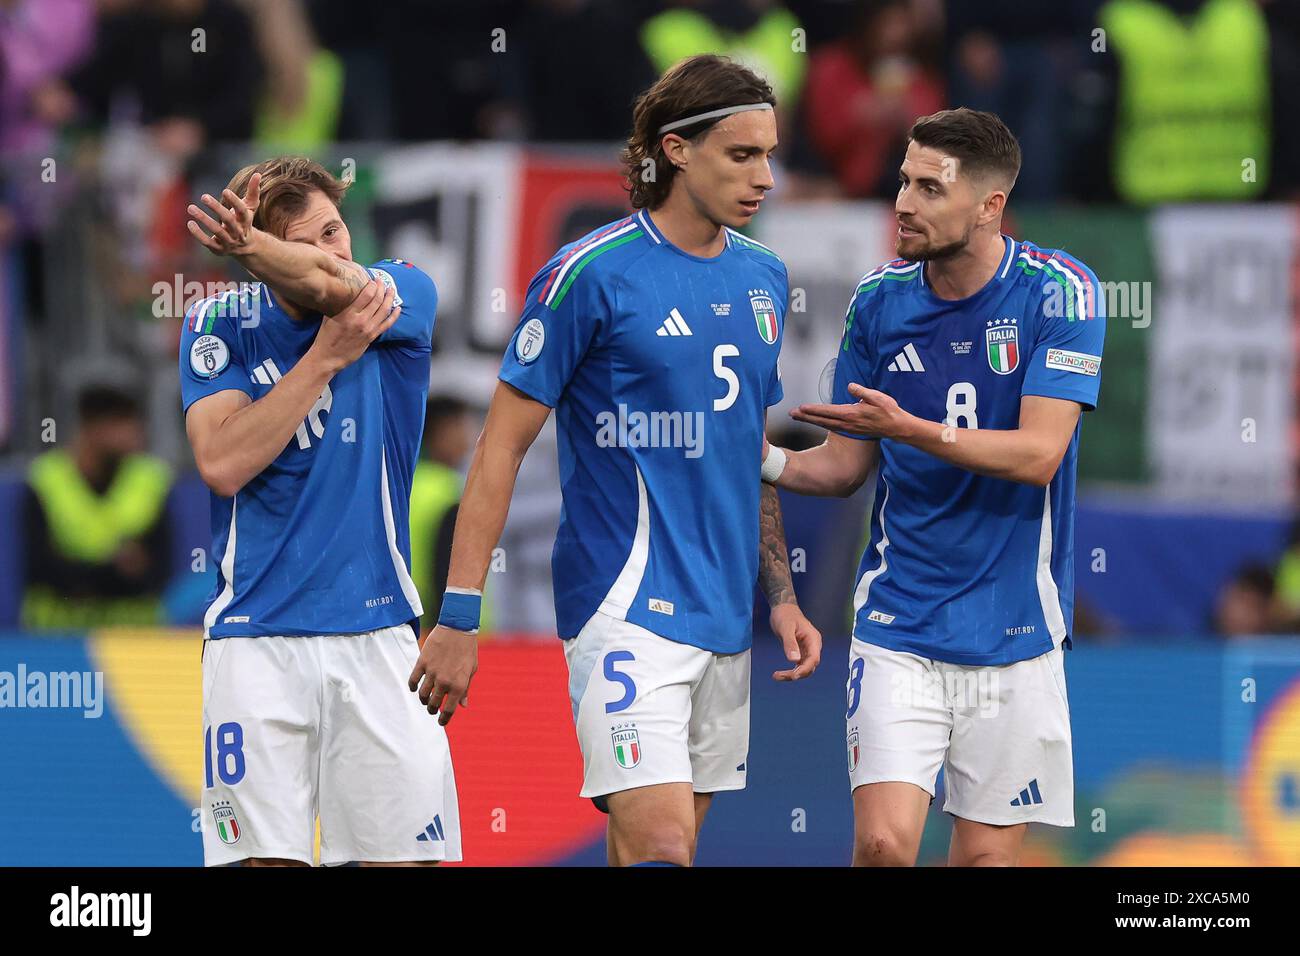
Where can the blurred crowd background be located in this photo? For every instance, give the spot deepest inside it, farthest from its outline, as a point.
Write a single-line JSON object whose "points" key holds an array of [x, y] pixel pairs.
{"points": [[1161, 146], [115, 113]]}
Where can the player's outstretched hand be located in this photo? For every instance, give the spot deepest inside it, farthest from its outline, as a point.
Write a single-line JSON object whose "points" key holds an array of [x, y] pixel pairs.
{"points": [[343, 338], [802, 641], [442, 674], [875, 414], [232, 228]]}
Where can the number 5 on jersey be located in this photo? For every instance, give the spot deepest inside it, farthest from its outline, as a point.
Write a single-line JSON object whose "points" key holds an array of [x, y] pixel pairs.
{"points": [[725, 351]]}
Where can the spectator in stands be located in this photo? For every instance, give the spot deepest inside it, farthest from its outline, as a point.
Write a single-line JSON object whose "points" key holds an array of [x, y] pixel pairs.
{"points": [[1193, 99], [95, 522], [442, 63], [1245, 606], [584, 54], [758, 33], [365, 108], [863, 95], [1287, 581], [187, 70], [435, 497], [40, 41], [1016, 62], [1283, 18], [299, 110], [168, 79]]}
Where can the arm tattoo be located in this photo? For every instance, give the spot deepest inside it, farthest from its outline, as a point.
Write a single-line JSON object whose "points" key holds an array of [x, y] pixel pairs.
{"points": [[354, 276], [773, 561]]}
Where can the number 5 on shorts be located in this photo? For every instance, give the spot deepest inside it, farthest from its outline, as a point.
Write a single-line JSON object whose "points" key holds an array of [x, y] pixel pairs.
{"points": [[613, 676]]}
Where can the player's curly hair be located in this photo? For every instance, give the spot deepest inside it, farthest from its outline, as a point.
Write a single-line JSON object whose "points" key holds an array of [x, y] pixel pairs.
{"points": [[697, 84], [287, 182]]}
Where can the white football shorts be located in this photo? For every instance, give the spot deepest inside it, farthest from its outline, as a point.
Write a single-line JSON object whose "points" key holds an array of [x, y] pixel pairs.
{"points": [[649, 710], [1001, 733], [300, 726]]}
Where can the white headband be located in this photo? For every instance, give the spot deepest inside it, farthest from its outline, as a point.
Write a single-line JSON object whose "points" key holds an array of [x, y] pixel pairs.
{"points": [[712, 114]]}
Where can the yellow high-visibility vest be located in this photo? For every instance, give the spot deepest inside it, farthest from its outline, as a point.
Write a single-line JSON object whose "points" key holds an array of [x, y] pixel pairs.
{"points": [[435, 489], [1193, 119], [769, 47], [87, 526]]}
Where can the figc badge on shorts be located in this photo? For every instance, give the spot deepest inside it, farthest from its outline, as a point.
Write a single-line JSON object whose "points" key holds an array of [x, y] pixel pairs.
{"points": [[627, 747], [223, 815]]}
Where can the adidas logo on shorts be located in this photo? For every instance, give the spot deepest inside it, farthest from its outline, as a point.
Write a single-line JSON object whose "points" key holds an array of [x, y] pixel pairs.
{"points": [[1028, 796]]}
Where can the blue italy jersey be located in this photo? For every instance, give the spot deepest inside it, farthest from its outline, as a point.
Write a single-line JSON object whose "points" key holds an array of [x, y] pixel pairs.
{"points": [[319, 542], [961, 567], [660, 366]]}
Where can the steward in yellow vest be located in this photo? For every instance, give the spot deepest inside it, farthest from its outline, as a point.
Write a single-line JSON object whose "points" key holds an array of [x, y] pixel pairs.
{"points": [[1194, 100], [435, 495], [95, 523], [762, 39]]}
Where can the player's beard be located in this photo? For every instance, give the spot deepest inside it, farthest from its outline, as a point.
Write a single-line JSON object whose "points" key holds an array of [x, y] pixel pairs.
{"points": [[929, 253]]}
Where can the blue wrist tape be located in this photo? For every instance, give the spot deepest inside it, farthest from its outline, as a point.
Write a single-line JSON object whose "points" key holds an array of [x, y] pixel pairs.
{"points": [[460, 611]]}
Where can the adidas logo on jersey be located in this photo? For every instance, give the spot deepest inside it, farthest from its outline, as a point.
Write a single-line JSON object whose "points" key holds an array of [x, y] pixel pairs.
{"points": [[1028, 796], [908, 360], [674, 325]]}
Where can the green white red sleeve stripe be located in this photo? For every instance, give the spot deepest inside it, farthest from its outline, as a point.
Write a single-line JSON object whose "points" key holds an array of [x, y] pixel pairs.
{"points": [[899, 269], [577, 257], [1081, 302]]}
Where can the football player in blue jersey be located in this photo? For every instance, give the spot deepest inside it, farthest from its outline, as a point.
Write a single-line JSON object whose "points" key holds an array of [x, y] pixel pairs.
{"points": [[655, 340], [304, 400], [963, 372]]}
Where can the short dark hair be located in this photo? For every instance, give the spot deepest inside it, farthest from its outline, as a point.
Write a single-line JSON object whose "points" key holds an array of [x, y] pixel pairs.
{"points": [[979, 141], [697, 84], [287, 182], [97, 403]]}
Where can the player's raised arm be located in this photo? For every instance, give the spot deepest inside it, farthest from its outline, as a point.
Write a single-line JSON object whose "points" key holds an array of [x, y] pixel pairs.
{"points": [[449, 657], [234, 439], [307, 274]]}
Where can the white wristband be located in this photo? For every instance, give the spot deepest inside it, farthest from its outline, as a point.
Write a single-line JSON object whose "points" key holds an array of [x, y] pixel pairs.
{"points": [[773, 464]]}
